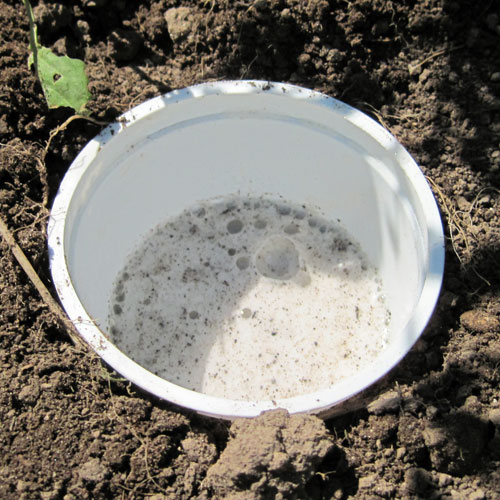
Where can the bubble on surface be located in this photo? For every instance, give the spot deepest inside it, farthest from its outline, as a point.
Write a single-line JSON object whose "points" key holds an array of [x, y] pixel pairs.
{"points": [[194, 314], [231, 251], [291, 229], [277, 258], [234, 226], [260, 224], [242, 263], [246, 313], [299, 214], [283, 209]]}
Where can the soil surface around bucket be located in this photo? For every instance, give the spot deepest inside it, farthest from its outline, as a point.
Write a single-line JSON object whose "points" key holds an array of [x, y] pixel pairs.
{"points": [[428, 71]]}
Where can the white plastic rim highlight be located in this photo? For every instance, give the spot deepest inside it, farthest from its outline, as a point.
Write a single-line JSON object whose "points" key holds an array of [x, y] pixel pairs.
{"points": [[257, 137]]}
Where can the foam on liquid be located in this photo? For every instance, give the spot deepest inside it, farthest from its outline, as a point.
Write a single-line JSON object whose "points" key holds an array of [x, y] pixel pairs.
{"points": [[250, 299]]}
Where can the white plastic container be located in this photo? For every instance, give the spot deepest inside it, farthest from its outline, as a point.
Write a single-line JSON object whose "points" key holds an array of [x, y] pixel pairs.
{"points": [[250, 138]]}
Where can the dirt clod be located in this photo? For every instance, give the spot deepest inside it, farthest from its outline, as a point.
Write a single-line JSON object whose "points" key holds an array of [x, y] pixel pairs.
{"points": [[480, 321], [417, 481], [199, 450], [385, 403], [494, 417], [180, 21], [29, 393], [275, 452], [93, 471], [456, 443]]}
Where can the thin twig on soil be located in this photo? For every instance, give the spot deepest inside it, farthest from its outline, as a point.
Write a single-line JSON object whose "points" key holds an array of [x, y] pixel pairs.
{"points": [[378, 115], [455, 223], [413, 67], [23, 261], [43, 214], [61, 127]]}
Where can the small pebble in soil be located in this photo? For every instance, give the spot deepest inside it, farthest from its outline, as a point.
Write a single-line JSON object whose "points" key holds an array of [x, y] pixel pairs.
{"points": [[480, 321], [385, 403]]}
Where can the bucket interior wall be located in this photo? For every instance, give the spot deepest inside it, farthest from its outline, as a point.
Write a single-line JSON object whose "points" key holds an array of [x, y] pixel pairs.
{"points": [[133, 185]]}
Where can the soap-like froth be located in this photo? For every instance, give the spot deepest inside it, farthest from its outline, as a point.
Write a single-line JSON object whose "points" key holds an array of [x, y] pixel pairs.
{"points": [[250, 299]]}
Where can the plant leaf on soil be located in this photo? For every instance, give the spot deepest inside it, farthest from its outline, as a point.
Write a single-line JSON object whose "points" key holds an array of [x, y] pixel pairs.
{"points": [[63, 80]]}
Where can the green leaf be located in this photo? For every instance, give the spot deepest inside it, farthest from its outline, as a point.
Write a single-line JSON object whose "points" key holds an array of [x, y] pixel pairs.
{"points": [[63, 80]]}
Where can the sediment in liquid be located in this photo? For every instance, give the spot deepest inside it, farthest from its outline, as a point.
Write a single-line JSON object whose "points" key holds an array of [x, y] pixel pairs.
{"points": [[250, 299]]}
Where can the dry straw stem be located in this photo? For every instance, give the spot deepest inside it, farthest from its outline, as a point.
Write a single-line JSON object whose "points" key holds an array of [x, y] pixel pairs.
{"points": [[37, 282], [413, 67]]}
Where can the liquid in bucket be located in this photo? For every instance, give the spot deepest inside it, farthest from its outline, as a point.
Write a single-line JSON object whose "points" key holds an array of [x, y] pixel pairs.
{"points": [[250, 299]]}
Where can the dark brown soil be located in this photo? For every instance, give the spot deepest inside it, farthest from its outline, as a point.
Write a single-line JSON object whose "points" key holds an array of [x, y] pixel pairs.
{"points": [[426, 69]]}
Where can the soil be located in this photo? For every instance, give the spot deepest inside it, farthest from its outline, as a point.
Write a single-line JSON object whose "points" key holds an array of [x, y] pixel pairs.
{"points": [[429, 71]]}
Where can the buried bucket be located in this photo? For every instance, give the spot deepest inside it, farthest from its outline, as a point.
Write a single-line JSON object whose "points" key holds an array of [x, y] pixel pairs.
{"points": [[234, 247]]}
